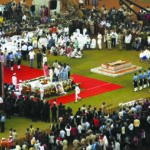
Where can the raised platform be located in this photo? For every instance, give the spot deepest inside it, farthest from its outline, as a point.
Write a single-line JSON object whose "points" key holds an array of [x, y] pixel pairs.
{"points": [[116, 68]]}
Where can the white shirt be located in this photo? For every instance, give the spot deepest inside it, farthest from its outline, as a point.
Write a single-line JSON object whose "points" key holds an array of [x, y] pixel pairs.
{"points": [[77, 89], [41, 88], [1, 100], [56, 71], [24, 47], [131, 127], [80, 1], [31, 54], [51, 139], [117, 146], [68, 131], [79, 129], [24, 17], [44, 59], [14, 80], [62, 133]]}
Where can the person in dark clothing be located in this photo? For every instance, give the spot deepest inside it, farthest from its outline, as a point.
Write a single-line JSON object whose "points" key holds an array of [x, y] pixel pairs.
{"points": [[43, 49], [8, 109], [39, 59], [60, 107], [54, 113]]}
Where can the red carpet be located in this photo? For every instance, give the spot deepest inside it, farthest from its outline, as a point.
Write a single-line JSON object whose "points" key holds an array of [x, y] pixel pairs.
{"points": [[90, 87], [26, 73]]}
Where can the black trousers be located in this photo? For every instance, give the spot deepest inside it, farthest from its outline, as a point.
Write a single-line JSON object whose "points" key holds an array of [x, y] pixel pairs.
{"points": [[19, 62], [80, 4], [2, 126], [39, 64]]}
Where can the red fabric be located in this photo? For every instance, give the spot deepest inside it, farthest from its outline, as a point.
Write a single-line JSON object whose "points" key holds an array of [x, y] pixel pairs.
{"points": [[74, 131], [90, 86], [54, 29], [46, 12], [26, 73], [10, 142], [96, 122]]}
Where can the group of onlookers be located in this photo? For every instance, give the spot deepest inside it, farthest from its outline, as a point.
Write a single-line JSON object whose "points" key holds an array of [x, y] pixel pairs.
{"points": [[90, 128]]}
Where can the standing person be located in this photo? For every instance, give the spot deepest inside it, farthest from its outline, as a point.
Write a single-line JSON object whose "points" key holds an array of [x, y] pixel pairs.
{"points": [[43, 49], [51, 73], [95, 3], [77, 92], [80, 3], [120, 40], [18, 56], [135, 82], [44, 58], [99, 41], [87, 2], [31, 57], [14, 80], [24, 51], [2, 123], [54, 113], [12, 59], [109, 40], [39, 59], [41, 92], [68, 68], [140, 80], [46, 70], [145, 79], [5, 56]]}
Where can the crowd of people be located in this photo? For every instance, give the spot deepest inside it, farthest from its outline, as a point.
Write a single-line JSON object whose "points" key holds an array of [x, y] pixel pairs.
{"points": [[89, 128]]}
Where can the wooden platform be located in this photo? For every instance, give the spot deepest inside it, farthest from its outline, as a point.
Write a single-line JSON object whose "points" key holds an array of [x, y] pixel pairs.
{"points": [[116, 68]]}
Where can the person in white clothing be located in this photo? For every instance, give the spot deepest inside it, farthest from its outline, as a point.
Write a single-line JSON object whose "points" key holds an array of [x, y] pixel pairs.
{"points": [[51, 74], [62, 133], [44, 59], [14, 80], [80, 3], [41, 91], [79, 129], [117, 145], [31, 57], [99, 40], [77, 92]]}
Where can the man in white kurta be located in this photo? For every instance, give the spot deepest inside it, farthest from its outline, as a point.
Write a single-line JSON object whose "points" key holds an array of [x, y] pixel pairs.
{"points": [[77, 92], [14, 80], [99, 41], [41, 91]]}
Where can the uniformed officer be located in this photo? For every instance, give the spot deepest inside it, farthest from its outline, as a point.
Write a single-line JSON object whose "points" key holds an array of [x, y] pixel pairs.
{"points": [[135, 82], [140, 80], [145, 79]]}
